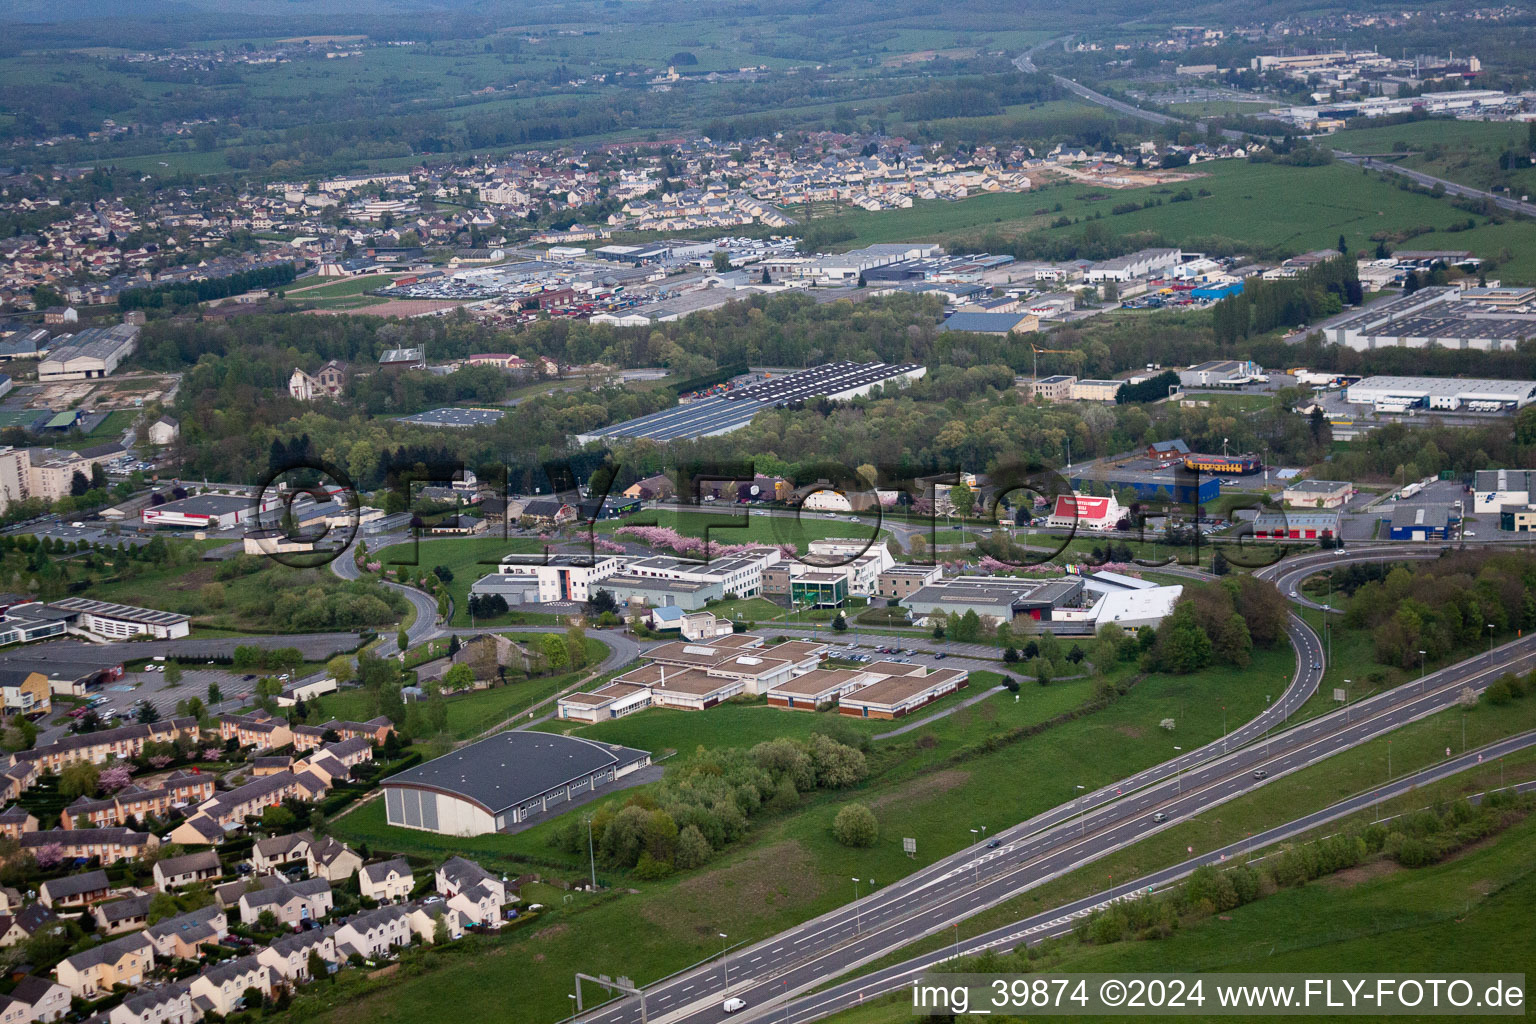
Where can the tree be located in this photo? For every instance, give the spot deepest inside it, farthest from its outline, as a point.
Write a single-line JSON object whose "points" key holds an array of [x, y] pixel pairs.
{"points": [[458, 677], [722, 261], [402, 640], [162, 906], [341, 668], [79, 779], [317, 967], [147, 714], [840, 624], [692, 848], [173, 672], [215, 695], [963, 499], [1219, 564], [855, 825], [1343, 245], [556, 653]]}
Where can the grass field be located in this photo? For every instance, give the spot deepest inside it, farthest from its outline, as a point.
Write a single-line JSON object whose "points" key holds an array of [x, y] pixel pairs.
{"points": [[111, 428], [344, 288], [468, 558], [1464, 151], [1268, 207], [746, 528], [933, 789], [473, 713]]}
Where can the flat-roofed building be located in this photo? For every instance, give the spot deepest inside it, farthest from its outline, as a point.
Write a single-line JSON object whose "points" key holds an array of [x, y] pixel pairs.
{"points": [[1055, 388], [897, 696], [999, 599], [818, 688], [612, 701], [899, 581], [1317, 493], [1096, 390], [117, 621]]}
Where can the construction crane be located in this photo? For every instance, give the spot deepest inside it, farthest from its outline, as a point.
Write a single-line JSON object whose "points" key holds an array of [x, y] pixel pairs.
{"points": [[1048, 351]]}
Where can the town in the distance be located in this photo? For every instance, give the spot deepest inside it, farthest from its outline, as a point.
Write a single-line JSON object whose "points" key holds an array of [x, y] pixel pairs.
{"points": [[597, 513]]}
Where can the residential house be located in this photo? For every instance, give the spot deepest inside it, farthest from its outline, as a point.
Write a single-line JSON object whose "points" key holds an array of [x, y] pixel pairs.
{"points": [[474, 892], [221, 989], [292, 903], [74, 890], [387, 880], [169, 1004], [374, 932], [176, 872], [15, 820], [333, 860], [308, 737], [42, 1000], [110, 845], [115, 916], [228, 895], [424, 917], [259, 730], [124, 742], [289, 955], [121, 961], [164, 430], [267, 855], [182, 936], [24, 923], [230, 809]]}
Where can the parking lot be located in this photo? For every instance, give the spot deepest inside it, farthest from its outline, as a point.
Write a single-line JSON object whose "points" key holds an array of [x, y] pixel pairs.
{"points": [[122, 698]]}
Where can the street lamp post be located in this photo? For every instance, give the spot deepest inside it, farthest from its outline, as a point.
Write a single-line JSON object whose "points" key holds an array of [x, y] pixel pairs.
{"points": [[1490, 639], [1223, 728], [725, 961], [1346, 701], [1178, 773], [1082, 812], [1421, 671], [591, 856]]}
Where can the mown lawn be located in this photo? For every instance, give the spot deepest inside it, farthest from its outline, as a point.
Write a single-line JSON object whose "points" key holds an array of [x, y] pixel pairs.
{"points": [[467, 558]]}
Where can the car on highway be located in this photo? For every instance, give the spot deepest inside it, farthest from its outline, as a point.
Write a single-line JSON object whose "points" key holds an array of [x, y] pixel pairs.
{"points": [[994, 844], [733, 1004], [1261, 774], [1159, 817]]}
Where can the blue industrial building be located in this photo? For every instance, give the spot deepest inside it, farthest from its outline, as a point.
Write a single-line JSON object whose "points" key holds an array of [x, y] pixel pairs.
{"points": [[1422, 522], [1168, 485]]}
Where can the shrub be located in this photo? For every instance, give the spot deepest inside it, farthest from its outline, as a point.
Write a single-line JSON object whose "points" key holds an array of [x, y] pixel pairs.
{"points": [[855, 825]]}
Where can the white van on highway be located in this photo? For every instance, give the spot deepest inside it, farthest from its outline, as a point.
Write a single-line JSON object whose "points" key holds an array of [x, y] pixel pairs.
{"points": [[733, 1004]]}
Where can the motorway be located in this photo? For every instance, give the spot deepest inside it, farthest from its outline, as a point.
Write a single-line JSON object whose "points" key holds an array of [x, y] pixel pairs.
{"points": [[1509, 203], [1066, 836], [1059, 920]]}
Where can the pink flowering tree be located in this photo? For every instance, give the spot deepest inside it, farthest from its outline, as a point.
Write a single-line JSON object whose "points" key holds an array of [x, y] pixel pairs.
{"points": [[115, 777], [49, 856]]}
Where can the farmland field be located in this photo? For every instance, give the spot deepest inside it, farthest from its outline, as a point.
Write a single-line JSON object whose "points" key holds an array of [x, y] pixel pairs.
{"points": [[1261, 207]]}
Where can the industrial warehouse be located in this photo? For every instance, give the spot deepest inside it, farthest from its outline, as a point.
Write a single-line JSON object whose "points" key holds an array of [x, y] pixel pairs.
{"points": [[723, 413], [1401, 394], [502, 781], [1445, 317]]}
